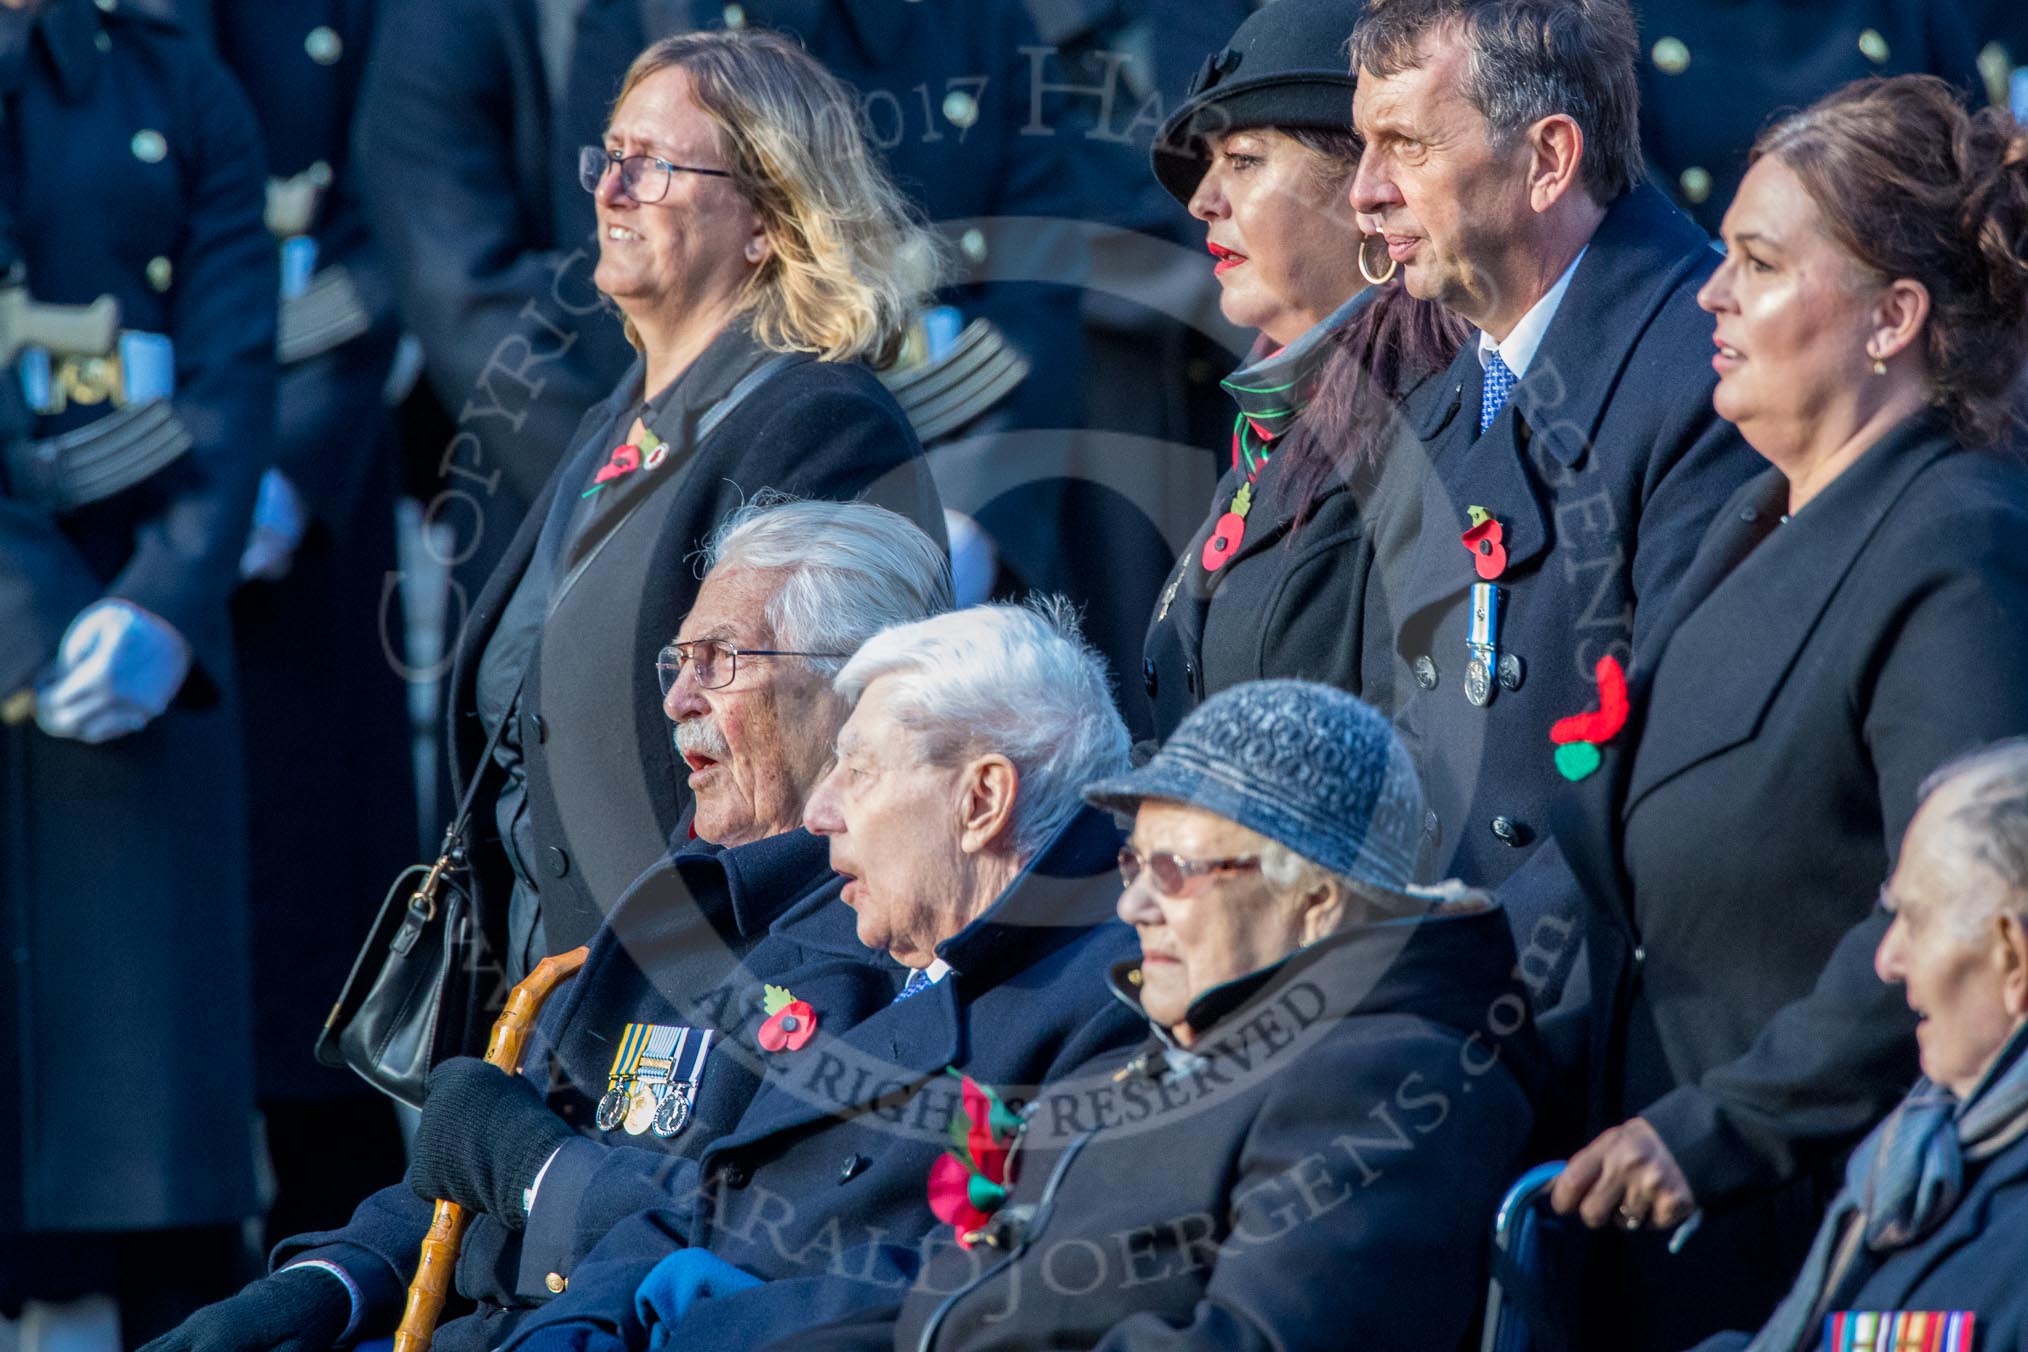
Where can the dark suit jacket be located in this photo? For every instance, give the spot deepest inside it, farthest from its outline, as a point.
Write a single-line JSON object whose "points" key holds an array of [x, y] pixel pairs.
{"points": [[1804, 682], [680, 951], [822, 1188], [605, 785], [1603, 469]]}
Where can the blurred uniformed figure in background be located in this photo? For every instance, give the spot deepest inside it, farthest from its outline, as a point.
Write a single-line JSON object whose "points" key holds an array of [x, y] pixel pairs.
{"points": [[132, 437], [329, 774], [1714, 72]]}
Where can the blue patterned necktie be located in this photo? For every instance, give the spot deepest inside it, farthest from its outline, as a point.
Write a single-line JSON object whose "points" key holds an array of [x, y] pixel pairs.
{"points": [[1499, 384], [918, 981]]}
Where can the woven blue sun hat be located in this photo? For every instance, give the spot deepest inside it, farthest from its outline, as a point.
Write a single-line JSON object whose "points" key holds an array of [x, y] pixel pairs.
{"points": [[1306, 765]]}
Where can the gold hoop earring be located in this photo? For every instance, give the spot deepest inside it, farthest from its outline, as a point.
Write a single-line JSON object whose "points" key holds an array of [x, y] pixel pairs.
{"points": [[1393, 266]]}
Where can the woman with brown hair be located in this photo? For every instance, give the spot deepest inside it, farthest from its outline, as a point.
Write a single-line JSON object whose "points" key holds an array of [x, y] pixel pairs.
{"points": [[1852, 621], [1274, 582]]}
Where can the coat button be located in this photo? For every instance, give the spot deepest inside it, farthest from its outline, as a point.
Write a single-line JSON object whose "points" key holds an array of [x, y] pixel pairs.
{"points": [[973, 245], [149, 146], [854, 1166], [736, 1175], [324, 45], [1748, 514], [1190, 676], [1512, 672], [1426, 672], [554, 861], [160, 272], [1148, 676], [1873, 47], [535, 729], [1696, 184], [961, 108], [1671, 56], [557, 1283], [735, 16], [1510, 831]]}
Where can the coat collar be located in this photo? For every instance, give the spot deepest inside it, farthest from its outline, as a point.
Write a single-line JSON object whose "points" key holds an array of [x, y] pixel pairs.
{"points": [[70, 29], [1777, 591], [1640, 253], [1446, 966]]}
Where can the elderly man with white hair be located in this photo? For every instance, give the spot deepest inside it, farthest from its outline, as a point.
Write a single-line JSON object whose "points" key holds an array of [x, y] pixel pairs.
{"points": [[634, 1052], [1924, 1246], [973, 872]]}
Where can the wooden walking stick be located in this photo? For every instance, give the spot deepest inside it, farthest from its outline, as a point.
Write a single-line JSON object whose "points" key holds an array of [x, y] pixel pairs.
{"points": [[447, 1227]]}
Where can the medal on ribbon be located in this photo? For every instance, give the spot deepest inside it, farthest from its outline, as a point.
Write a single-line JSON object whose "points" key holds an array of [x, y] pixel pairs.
{"points": [[654, 1079]]}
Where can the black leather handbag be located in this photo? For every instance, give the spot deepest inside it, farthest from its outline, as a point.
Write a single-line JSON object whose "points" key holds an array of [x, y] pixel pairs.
{"points": [[417, 992]]}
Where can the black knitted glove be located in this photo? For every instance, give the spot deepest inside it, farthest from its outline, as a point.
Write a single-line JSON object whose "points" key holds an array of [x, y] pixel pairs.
{"points": [[483, 1137], [296, 1310]]}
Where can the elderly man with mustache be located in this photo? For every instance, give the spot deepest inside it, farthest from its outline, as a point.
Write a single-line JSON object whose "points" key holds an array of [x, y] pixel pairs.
{"points": [[635, 1050]]}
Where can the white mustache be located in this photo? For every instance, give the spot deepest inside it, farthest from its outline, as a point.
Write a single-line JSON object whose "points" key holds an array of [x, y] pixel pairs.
{"points": [[702, 736]]}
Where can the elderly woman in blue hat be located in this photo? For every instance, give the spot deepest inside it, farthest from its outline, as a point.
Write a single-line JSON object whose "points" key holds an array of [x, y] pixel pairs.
{"points": [[1308, 1149]]}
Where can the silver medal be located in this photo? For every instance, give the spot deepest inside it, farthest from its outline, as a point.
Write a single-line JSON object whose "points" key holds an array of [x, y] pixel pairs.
{"points": [[672, 1114], [1479, 682], [612, 1108]]}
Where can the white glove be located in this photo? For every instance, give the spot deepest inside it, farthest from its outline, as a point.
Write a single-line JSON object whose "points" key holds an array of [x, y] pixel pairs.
{"points": [[116, 669], [279, 521]]}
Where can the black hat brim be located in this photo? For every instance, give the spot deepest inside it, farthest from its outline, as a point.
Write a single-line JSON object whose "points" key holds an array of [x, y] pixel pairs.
{"points": [[1310, 99]]}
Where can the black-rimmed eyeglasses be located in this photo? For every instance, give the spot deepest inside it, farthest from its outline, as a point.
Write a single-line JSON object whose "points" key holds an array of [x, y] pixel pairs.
{"points": [[1173, 874], [713, 662], [645, 178]]}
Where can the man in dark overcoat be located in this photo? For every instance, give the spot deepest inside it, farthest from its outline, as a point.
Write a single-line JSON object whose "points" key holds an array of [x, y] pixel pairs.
{"points": [[675, 975], [1573, 457], [129, 169], [953, 813]]}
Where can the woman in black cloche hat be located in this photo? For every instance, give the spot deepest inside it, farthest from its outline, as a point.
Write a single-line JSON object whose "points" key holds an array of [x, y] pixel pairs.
{"points": [[1274, 582]]}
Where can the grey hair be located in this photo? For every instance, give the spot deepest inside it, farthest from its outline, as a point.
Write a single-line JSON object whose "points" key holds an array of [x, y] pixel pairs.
{"points": [[850, 570], [1287, 871], [1526, 60], [1018, 680], [1990, 823]]}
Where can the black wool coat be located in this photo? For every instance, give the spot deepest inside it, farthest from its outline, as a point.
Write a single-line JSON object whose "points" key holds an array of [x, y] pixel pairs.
{"points": [[605, 786], [130, 166], [680, 952], [1319, 1170], [1294, 601], [821, 1190], [1603, 469], [1804, 681]]}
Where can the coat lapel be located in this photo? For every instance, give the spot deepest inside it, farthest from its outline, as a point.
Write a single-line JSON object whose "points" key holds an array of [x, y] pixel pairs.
{"points": [[1635, 260], [1755, 619]]}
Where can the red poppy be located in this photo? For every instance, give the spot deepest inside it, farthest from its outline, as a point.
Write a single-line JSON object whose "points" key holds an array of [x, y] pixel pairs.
{"points": [[1488, 543], [1603, 723], [789, 1027], [626, 459], [1224, 541], [950, 1197]]}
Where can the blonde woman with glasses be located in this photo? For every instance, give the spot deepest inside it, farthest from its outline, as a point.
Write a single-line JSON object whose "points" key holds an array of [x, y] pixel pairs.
{"points": [[760, 261]]}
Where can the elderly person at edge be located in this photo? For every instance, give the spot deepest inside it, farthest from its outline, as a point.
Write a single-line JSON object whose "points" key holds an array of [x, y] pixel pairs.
{"points": [[1571, 446], [761, 259], [789, 589], [1933, 1217], [1852, 622], [1334, 1085], [970, 867]]}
